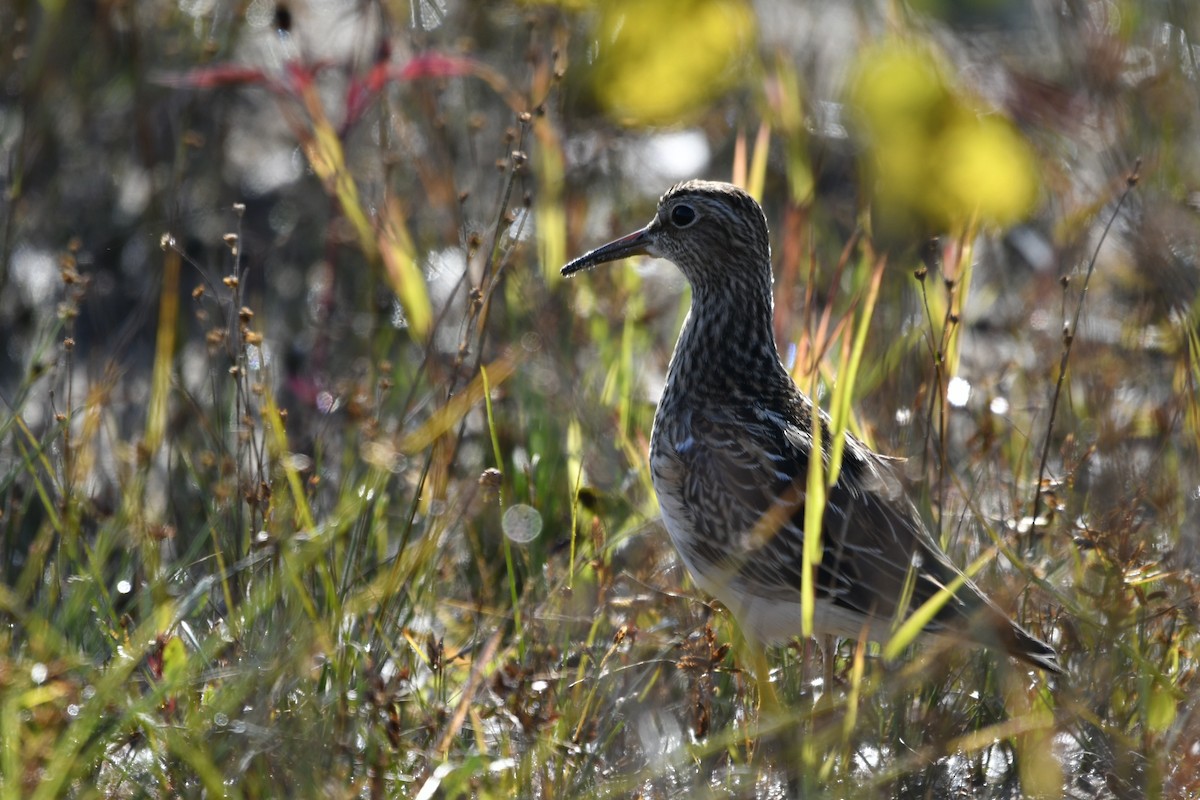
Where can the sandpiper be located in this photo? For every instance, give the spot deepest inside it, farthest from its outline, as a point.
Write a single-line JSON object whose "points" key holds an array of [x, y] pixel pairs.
{"points": [[730, 449]]}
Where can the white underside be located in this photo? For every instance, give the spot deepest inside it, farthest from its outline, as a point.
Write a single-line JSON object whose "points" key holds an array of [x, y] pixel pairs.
{"points": [[764, 620]]}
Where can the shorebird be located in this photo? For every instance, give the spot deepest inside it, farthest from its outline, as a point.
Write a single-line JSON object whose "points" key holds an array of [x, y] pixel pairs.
{"points": [[730, 449]]}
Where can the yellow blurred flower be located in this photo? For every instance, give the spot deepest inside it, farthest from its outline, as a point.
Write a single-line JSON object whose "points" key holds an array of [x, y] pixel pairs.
{"points": [[987, 167], [898, 89], [935, 160], [660, 62]]}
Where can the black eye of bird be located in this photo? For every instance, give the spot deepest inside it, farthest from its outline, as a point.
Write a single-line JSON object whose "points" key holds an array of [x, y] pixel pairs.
{"points": [[683, 216]]}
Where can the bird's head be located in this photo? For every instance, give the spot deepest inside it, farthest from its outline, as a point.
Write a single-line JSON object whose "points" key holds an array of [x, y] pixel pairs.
{"points": [[714, 232]]}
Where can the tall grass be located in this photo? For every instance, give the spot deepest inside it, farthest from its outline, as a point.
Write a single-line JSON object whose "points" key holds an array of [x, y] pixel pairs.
{"points": [[336, 490]]}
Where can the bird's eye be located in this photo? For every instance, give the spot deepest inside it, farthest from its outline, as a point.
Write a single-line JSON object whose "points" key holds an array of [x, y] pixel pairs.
{"points": [[683, 216]]}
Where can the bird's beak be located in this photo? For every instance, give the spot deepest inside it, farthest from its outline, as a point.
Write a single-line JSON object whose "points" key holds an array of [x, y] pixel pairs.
{"points": [[637, 243]]}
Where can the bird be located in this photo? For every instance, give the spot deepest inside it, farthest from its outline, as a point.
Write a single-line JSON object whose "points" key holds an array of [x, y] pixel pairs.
{"points": [[730, 449]]}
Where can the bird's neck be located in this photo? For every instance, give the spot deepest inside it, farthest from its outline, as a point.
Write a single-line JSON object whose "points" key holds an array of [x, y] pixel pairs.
{"points": [[726, 348]]}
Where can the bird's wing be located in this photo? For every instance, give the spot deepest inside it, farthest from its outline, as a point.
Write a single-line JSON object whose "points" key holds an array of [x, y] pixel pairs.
{"points": [[745, 473]]}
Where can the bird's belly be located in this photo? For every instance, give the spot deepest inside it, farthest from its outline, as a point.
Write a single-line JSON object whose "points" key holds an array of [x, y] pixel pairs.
{"points": [[767, 617], [679, 519], [713, 565]]}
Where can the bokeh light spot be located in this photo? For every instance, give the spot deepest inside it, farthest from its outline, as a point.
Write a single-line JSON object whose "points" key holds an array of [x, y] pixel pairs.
{"points": [[522, 523]]}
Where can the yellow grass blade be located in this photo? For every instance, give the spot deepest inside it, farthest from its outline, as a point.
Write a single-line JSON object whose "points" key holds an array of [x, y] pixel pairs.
{"points": [[457, 406], [843, 390], [549, 211], [164, 352], [403, 273], [325, 156], [912, 627], [814, 511]]}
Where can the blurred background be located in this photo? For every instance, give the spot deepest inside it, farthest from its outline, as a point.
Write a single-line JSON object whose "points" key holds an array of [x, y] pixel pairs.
{"points": [[306, 448]]}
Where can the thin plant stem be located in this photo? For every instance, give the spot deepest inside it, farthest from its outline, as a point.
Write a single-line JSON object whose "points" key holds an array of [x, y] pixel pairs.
{"points": [[1131, 180]]}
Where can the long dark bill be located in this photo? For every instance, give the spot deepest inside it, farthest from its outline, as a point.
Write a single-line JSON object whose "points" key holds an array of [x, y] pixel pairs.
{"points": [[633, 244]]}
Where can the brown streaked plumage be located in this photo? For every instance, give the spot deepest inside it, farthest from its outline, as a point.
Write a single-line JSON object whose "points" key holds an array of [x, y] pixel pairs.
{"points": [[730, 448]]}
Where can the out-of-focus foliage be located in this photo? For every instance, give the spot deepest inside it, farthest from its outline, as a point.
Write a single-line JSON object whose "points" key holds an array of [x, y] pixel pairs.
{"points": [[663, 63], [936, 160], [317, 480]]}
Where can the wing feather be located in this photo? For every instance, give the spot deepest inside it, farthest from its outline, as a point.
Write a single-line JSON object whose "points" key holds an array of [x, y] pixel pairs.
{"points": [[743, 475]]}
